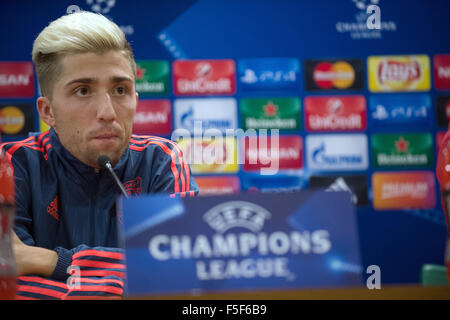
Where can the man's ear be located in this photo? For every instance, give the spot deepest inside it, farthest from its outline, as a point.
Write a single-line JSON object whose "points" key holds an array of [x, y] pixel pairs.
{"points": [[45, 111]]}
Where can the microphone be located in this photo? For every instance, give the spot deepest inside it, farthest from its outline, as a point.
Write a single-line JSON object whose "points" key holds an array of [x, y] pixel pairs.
{"points": [[105, 163]]}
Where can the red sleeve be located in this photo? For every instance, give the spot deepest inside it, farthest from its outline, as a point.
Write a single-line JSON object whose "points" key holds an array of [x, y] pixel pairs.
{"points": [[96, 273]]}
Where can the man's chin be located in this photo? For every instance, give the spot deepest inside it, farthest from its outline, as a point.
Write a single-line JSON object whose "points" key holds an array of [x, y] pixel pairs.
{"points": [[114, 155]]}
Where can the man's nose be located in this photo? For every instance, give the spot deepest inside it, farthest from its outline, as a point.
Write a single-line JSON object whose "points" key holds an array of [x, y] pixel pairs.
{"points": [[105, 110]]}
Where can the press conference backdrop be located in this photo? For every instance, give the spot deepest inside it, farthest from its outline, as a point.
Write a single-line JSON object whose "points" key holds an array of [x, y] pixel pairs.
{"points": [[356, 109]]}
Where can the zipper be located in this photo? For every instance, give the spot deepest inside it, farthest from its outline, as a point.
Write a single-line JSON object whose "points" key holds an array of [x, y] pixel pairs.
{"points": [[93, 204]]}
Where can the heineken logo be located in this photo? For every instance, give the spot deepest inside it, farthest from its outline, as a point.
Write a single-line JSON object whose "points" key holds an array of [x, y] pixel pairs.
{"points": [[140, 72], [401, 144], [276, 113], [152, 77], [414, 149], [270, 109]]}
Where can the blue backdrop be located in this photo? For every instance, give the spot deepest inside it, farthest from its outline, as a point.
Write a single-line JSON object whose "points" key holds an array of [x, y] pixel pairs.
{"points": [[400, 241]]}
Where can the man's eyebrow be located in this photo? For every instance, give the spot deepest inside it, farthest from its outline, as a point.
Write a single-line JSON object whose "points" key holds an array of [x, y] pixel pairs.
{"points": [[120, 79], [81, 80], [93, 80]]}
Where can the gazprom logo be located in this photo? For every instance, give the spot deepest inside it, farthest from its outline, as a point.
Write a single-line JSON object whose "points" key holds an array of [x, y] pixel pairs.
{"points": [[337, 152], [209, 113], [236, 214]]}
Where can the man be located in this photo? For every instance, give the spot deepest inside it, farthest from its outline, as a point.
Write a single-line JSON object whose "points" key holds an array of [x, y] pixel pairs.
{"points": [[65, 201]]}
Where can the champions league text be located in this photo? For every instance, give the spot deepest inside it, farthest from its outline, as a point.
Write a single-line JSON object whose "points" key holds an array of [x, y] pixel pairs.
{"points": [[211, 253]]}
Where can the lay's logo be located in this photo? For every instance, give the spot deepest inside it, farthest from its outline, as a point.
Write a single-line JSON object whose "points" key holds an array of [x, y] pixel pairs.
{"points": [[399, 73]]}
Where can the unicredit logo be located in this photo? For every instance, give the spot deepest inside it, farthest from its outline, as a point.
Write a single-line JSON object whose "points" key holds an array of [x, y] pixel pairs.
{"points": [[192, 77], [339, 113], [204, 86]]}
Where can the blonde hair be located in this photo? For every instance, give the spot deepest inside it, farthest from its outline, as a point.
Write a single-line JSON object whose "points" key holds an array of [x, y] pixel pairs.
{"points": [[79, 32]]}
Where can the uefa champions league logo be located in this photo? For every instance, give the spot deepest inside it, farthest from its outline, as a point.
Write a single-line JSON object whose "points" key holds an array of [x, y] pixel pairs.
{"points": [[101, 6], [236, 214], [363, 4]]}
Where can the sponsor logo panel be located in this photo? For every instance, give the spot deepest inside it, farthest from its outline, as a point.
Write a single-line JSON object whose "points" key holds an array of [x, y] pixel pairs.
{"points": [[265, 152], [335, 113], [273, 184], [210, 155], [218, 185], [406, 149], [400, 109], [443, 110], [334, 74], [205, 113], [152, 77], [16, 80], [403, 190], [341, 152], [204, 77], [268, 73], [152, 117], [441, 71], [16, 119], [270, 113], [357, 185], [399, 73]]}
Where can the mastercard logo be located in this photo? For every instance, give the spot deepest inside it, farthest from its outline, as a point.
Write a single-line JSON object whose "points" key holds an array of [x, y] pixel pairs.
{"points": [[339, 75], [12, 120]]}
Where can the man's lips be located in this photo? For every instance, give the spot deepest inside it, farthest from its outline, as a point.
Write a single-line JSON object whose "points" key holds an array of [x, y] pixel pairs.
{"points": [[106, 136]]}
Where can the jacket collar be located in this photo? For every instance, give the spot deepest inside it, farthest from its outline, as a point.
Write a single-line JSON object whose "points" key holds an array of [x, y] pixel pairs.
{"points": [[75, 166]]}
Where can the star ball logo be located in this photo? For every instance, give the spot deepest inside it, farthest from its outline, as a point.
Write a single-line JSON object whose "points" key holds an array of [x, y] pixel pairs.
{"points": [[236, 214]]}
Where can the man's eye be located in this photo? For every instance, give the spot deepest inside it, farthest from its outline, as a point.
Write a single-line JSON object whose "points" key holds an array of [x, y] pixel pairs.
{"points": [[120, 90], [82, 91]]}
